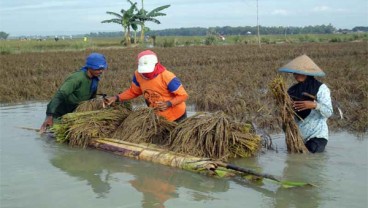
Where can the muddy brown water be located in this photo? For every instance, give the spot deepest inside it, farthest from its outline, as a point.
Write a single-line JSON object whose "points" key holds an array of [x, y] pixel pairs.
{"points": [[37, 172]]}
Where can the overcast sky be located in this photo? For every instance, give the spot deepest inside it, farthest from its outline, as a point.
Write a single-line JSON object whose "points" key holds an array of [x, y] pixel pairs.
{"points": [[52, 17]]}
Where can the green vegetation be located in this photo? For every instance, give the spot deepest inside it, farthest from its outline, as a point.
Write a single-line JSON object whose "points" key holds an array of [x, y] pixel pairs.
{"points": [[3, 35], [245, 30], [25, 46], [132, 17], [21, 46]]}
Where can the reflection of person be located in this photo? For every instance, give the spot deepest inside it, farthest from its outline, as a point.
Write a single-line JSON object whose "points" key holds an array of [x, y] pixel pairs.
{"points": [[159, 184], [162, 90], [82, 165], [79, 86], [156, 190], [312, 102]]}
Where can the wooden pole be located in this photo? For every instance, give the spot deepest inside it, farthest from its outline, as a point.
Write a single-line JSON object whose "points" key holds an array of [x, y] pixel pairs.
{"points": [[259, 37]]}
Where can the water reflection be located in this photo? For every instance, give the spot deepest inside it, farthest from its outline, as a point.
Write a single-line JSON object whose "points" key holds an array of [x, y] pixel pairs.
{"points": [[80, 164], [157, 183], [299, 167]]}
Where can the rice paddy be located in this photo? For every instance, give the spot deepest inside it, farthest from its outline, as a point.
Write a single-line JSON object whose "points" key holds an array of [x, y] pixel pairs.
{"points": [[230, 78]]}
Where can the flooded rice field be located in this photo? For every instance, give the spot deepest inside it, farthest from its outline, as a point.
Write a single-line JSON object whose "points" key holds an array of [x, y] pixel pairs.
{"points": [[37, 172]]}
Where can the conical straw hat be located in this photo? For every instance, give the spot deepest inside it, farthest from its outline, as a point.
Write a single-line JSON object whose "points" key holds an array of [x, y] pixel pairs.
{"points": [[303, 65]]}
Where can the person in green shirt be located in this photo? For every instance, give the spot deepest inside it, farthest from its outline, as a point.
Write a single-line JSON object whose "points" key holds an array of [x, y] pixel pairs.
{"points": [[79, 86]]}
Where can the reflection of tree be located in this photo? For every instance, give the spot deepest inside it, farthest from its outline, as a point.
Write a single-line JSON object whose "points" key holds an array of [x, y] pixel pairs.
{"points": [[302, 168]]}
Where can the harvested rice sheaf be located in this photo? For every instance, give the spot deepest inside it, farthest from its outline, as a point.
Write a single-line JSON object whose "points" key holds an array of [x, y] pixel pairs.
{"points": [[80, 127], [214, 135], [98, 104], [145, 126], [294, 141]]}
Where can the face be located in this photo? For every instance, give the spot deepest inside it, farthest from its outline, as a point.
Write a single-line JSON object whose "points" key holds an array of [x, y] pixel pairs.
{"points": [[300, 77], [95, 73]]}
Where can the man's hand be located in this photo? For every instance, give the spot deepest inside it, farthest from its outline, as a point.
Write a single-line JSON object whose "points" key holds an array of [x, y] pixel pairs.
{"points": [[47, 123], [162, 105], [304, 105], [110, 100]]}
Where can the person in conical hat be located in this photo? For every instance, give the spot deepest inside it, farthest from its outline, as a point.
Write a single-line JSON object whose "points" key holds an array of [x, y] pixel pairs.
{"points": [[311, 102], [161, 89]]}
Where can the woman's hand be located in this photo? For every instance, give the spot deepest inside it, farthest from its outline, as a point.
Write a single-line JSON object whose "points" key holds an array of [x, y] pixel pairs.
{"points": [[304, 105]]}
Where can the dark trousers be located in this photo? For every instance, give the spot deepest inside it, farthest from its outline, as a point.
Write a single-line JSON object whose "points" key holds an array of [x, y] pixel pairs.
{"points": [[315, 144], [181, 118]]}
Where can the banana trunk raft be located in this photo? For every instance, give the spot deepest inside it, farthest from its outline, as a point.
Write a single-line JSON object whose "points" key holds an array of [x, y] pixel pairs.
{"points": [[206, 166], [199, 143]]}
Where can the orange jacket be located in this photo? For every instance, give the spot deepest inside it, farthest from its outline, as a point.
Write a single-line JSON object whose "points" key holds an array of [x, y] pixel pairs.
{"points": [[164, 87]]}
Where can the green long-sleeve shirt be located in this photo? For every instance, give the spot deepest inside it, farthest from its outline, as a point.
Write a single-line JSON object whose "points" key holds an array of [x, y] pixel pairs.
{"points": [[75, 89]]}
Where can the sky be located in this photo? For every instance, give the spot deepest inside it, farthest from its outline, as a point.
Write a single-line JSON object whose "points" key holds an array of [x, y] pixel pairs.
{"points": [[68, 17]]}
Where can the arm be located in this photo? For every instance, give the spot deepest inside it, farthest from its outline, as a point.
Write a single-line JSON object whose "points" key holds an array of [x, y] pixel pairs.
{"points": [[324, 104], [133, 92], [176, 88], [66, 89], [180, 95], [130, 93]]}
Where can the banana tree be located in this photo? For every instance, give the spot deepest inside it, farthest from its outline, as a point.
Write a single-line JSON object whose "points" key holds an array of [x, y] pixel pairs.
{"points": [[145, 16], [127, 19]]}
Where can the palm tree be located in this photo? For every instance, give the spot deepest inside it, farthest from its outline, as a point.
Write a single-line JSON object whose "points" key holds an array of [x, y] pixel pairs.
{"points": [[145, 16], [127, 19]]}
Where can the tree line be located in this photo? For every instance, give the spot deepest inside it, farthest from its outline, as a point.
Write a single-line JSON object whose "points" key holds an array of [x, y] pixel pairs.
{"points": [[246, 30]]}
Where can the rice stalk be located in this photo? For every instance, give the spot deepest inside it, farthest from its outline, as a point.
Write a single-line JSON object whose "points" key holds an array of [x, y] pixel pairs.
{"points": [[98, 104], [145, 126], [294, 141], [79, 128], [90, 105], [214, 136]]}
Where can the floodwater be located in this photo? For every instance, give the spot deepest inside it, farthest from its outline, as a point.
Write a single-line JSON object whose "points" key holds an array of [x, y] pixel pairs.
{"points": [[37, 172]]}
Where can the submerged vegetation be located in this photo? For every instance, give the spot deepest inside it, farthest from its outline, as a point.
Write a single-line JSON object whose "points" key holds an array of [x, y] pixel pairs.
{"points": [[230, 78]]}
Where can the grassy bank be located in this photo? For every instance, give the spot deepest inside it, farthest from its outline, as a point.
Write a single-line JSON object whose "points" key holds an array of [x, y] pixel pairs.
{"points": [[233, 78], [24, 46]]}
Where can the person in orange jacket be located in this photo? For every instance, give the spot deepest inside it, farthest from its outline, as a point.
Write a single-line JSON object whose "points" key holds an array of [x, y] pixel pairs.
{"points": [[161, 89]]}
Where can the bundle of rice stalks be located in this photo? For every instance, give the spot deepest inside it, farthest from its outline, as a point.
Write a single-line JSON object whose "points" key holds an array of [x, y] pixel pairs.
{"points": [[98, 104], [90, 105], [294, 141], [214, 136], [79, 128], [143, 125]]}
